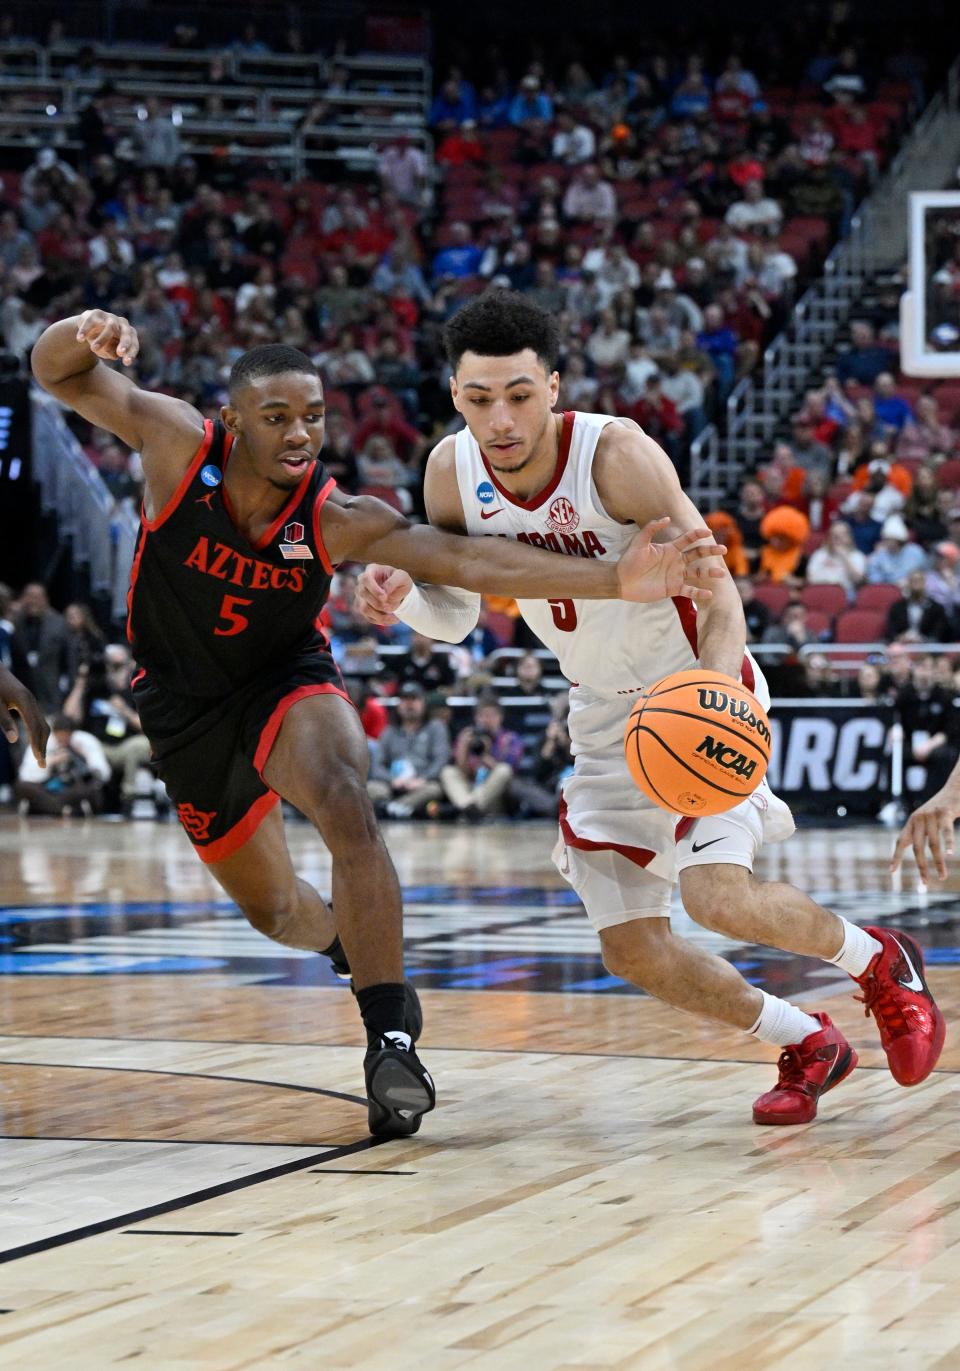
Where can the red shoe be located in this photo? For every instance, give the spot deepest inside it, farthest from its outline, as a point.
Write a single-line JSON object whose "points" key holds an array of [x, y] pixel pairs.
{"points": [[807, 1071], [911, 1026]]}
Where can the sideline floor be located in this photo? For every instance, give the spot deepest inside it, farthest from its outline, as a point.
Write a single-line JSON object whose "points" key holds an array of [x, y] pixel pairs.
{"points": [[187, 1181]]}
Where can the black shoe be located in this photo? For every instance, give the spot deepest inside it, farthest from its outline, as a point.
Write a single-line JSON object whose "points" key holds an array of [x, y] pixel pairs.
{"points": [[399, 1090], [413, 1012]]}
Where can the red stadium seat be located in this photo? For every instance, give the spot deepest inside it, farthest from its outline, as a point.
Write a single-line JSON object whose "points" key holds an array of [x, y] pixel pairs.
{"points": [[860, 626], [502, 626], [776, 598], [948, 475], [819, 623], [878, 598], [831, 600]]}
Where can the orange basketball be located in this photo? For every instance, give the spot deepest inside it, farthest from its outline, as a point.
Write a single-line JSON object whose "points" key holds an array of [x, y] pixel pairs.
{"points": [[697, 743]]}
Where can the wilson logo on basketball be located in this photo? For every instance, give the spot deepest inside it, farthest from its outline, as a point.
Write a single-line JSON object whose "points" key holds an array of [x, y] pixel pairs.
{"points": [[727, 757], [563, 517], [722, 703], [196, 822]]}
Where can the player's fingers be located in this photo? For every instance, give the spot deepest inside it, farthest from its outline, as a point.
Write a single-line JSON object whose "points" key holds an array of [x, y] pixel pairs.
{"points": [[920, 850], [703, 552], [8, 725], [129, 344], [902, 843], [698, 593], [396, 585], [651, 529], [694, 535], [936, 846], [83, 324]]}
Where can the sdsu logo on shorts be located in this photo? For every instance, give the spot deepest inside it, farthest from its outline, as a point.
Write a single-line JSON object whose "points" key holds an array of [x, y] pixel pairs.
{"points": [[293, 546], [563, 517]]}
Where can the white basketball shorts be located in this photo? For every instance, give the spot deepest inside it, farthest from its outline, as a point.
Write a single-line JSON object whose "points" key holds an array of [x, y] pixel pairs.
{"points": [[617, 849]]}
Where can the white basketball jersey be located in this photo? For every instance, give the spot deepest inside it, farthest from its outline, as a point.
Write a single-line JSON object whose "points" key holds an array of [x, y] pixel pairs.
{"points": [[608, 646]]}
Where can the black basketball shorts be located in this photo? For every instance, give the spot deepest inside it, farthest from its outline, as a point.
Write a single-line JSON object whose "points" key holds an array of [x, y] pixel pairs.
{"points": [[210, 754]]}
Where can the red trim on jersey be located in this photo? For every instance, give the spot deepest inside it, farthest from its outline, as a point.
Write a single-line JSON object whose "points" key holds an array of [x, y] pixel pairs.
{"points": [[563, 453], [268, 734], [683, 828], [151, 525], [318, 503], [241, 832], [141, 674], [642, 856], [688, 621], [134, 573]]}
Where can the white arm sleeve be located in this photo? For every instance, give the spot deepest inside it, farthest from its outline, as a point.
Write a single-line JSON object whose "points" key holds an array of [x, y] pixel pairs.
{"points": [[441, 612]]}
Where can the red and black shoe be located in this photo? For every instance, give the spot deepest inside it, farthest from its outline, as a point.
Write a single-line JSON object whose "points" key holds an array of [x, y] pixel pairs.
{"points": [[807, 1071], [895, 992]]}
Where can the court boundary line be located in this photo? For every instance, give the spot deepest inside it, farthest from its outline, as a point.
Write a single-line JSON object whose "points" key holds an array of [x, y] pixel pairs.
{"points": [[210, 1192], [190, 1075], [432, 1047]]}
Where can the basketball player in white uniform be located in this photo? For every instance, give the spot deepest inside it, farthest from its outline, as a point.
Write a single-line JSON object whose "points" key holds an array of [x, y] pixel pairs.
{"points": [[580, 484]]}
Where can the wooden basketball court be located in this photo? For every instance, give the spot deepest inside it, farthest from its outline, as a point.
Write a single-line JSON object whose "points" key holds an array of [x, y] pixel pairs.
{"points": [[188, 1181]]}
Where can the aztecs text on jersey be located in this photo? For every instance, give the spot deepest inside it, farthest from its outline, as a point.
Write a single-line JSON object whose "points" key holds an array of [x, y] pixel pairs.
{"points": [[208, 610], [609, 646]]}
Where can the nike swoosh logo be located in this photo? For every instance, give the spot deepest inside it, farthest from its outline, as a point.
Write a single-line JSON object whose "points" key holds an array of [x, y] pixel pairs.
{"points": [[698, 847], [489, 513], [914, 983]]}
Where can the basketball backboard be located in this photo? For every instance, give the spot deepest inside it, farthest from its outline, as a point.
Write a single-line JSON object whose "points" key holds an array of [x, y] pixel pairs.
{"points": [[930, 310]]}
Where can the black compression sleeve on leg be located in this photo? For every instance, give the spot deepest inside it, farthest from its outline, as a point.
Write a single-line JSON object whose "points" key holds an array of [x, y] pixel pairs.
{"points": [[383, 1009]]}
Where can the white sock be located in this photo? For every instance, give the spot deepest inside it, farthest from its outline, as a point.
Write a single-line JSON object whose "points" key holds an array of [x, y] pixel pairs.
{"points": [[401, 1040], [858, 950], [783, 1023]]}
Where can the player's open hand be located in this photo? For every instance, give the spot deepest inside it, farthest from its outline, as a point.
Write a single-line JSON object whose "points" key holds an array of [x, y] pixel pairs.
{"points": [[930, 826], [380, 589], [15, 696], [109, 336], [650, 571]]}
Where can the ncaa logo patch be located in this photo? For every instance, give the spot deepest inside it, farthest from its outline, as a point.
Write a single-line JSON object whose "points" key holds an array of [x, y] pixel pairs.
{"points": [[486, 493], [211, 475]]}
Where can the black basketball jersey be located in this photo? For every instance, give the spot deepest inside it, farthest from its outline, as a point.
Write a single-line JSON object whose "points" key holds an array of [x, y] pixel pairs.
{"points": [[209, 611]]}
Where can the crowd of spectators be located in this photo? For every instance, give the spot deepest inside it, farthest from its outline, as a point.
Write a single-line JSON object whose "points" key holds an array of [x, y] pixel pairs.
{"points": [[664, 209], [850, 531]]}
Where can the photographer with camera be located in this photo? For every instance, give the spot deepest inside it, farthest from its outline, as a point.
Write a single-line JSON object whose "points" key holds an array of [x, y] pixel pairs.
{"points": [[73, 778], [101, 703], [407, 758], [486, 755]]}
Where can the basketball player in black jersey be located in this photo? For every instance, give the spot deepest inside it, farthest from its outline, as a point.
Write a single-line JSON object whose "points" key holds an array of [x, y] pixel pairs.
{"points": [[242, 702]]}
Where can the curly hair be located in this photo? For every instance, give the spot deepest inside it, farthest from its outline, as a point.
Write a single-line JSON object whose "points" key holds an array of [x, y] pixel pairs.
{"points": [[272, 359], [499, 323]]}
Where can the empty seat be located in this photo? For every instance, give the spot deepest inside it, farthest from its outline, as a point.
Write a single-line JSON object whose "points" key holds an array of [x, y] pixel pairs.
{"points": [[859, 626], [828, 599], [776, 598], [879, 597]]}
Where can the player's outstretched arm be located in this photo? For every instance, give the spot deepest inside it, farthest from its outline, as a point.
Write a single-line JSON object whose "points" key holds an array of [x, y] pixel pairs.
{"points": [[15, 698], [67, 361], [636, 481], [931, 827], [363, 529]]}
